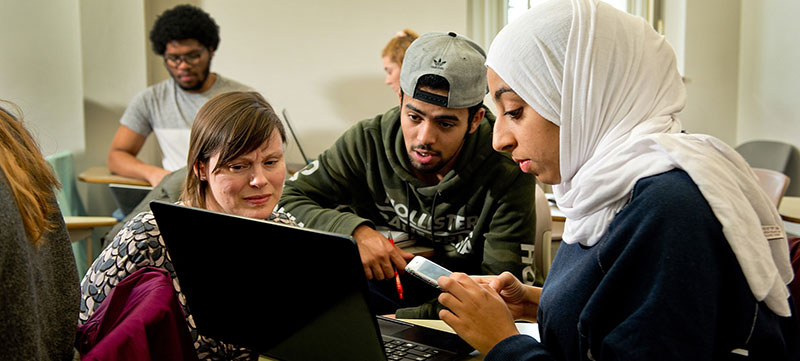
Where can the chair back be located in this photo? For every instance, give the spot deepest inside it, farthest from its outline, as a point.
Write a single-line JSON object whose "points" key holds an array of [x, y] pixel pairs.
{"points": [[772, 182], [542, 253], [69, 200], [766, 154]]}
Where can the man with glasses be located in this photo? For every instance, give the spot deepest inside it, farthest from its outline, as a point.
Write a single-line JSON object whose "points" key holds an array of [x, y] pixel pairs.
{"points": [[186, 37]]}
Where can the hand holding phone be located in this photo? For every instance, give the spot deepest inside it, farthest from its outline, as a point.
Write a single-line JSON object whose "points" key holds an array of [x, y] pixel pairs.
{"points": [[426, 270]]}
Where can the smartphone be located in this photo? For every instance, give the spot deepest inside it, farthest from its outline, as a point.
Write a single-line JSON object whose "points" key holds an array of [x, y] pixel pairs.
{"points": [[426, 270]]}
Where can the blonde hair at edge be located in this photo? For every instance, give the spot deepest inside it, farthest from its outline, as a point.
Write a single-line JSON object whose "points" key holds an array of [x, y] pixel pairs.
{"points": [[30, 178], [231, 124], [396, 48]]}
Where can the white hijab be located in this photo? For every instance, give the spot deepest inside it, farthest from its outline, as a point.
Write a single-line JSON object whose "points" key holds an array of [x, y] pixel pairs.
{"points": [[610, 82]]}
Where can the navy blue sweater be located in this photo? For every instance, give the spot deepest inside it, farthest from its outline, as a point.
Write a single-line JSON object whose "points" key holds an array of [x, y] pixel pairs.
{"points": [[661, 284]]}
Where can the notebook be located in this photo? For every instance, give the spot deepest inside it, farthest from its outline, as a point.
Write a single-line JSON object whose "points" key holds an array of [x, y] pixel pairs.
{"points": [[289, 293], [399, 238]]}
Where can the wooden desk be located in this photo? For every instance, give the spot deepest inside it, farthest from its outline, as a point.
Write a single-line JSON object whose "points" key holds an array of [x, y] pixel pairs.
{"points": [[104, 176], [526, 328], [78, 223], [423, 251], [556, 231], [790, 209], [80, 228], [555, 213]]}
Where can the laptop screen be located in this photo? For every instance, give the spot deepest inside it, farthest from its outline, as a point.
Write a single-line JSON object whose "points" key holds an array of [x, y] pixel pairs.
{"points": [[286, 292]]}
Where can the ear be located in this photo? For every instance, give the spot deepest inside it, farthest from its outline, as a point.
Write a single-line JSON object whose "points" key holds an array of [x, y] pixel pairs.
{"points": [[199, 170], [476, 121], [400, 96], [211, 52]]}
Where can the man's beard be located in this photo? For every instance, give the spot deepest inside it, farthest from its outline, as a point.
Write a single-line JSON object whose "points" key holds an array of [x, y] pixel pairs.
{"points": [[200, 82], [430, 168]]}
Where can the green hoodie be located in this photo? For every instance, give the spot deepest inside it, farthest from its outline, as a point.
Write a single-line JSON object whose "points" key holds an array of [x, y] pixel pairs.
{"points": [[482, 211]]}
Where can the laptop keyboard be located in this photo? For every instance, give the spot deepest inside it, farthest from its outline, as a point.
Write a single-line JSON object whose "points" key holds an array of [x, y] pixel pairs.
{"points": [[406, 351]]}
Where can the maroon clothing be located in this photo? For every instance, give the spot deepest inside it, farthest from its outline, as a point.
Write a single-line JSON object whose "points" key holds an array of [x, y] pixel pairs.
{"points": [[137, 245], [140, 320]]}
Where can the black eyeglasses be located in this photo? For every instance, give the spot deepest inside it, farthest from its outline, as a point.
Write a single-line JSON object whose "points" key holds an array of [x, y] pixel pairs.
{"points": [[192, 58]]}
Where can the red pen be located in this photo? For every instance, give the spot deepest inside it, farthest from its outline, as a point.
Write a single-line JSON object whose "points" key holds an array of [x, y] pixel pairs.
{"points": [[396, 276]]}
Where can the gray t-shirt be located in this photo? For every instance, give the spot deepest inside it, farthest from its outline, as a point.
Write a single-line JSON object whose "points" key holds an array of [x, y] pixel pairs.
{"points": [[169, 111]]}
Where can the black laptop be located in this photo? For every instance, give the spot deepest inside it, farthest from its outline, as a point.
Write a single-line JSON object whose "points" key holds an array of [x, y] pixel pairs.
{"points": [[286, 292], [128, 196]]}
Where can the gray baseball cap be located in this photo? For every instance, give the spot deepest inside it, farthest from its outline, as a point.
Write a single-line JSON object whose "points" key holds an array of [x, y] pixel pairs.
{"points": [[451, 56]]}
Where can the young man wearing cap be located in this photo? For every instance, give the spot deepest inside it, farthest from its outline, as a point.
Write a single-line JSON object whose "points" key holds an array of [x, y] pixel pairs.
{"points": [[186, 37], [425, 168]]}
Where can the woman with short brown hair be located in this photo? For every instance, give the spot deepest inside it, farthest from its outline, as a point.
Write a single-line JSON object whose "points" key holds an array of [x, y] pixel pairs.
{"points": [[236, 166]]}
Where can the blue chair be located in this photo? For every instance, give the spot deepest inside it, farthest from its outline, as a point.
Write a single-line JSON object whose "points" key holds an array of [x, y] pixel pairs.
{"points": [[80, 226]]}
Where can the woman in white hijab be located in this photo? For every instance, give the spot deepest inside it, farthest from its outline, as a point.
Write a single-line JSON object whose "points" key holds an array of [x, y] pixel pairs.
{"points": [[671, 249]]}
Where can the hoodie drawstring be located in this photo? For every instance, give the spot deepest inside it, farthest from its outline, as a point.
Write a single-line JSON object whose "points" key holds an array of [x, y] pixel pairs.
{"points": [[409, 229], [408, 212], [433, 216]]}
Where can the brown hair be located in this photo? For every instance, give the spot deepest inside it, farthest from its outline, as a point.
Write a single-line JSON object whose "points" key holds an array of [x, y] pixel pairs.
{"points": [[30, 177], [396, 48], [230, 124]]}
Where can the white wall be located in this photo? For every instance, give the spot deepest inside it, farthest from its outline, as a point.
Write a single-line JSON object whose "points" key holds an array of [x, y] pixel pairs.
{"points": [[769, 76], [63, 61], [769, 92], [328, 75], [322, 62], [674, 13], [40, 70], [114, 51], [711, 68]]}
